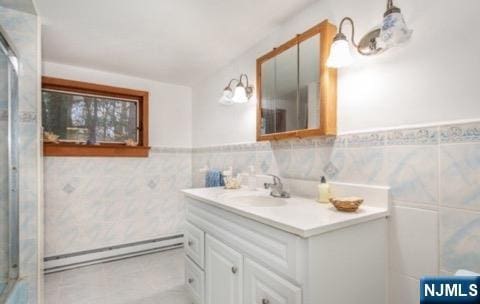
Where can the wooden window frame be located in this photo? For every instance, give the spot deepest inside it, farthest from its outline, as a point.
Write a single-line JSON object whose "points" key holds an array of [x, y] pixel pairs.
{"points": [[104, 149]]}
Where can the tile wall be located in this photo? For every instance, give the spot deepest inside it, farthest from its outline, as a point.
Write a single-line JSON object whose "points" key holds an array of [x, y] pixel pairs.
{"points": [[434, 175], [92, 203], [23, 31]]}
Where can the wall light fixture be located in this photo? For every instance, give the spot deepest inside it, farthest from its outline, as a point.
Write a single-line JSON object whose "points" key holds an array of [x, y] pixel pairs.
{"points": [[242, 93], [392, 32]]}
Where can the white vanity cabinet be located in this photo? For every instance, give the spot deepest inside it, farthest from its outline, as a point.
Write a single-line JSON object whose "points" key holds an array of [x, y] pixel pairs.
{"points": [[233, 257]]}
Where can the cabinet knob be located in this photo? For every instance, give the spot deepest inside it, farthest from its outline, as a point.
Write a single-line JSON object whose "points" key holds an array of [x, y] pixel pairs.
{"points": [[190, 281], [190, 243], [265, 301], [234, 269]]}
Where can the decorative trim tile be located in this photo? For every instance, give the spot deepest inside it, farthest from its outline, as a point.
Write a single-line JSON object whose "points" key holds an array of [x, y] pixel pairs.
{"points": [[326, 141], [303, 143], [366, 139], [200, 150], [421, 136], [281, 144], [244, 147], [340, 141], [26, 116], [170, 150], [264, 146], [469, 132]]}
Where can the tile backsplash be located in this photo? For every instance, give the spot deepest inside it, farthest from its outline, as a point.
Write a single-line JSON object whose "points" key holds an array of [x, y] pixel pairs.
{"points": [[433, 172], [99, 202]]}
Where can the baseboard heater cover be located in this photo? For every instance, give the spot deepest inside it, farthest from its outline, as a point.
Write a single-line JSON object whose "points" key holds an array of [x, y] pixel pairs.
{"points": [[111, 253]]}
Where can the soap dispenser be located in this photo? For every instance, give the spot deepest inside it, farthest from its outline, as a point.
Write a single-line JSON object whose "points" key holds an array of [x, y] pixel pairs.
{"points": [[252, 179], [323, 191]]}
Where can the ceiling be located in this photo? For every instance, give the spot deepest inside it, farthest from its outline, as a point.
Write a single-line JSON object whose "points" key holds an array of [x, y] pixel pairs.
{"points": [[177, 41]]}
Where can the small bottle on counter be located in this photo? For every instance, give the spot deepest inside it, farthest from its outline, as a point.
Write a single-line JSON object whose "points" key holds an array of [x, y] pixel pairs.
{"points": [[323, 191]]}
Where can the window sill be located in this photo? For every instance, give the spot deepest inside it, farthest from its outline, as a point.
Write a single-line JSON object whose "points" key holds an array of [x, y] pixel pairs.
{"points": [[67, 150]]}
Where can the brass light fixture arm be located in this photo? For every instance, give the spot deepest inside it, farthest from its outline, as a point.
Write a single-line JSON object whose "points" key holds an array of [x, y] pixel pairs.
{"points": [[246, 77], [350, 20], [391, 8], [229, 86]]}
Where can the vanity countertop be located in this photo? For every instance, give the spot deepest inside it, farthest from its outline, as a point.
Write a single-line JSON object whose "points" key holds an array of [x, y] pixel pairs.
{"points": [[301, 216]]}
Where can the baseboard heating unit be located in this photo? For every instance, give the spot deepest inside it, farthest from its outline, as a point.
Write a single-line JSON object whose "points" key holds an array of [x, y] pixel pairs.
{"points": [[112, 253]]}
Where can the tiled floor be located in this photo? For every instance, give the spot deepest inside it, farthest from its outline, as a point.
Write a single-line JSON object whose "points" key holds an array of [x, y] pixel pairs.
{"points": [[150, 279]]}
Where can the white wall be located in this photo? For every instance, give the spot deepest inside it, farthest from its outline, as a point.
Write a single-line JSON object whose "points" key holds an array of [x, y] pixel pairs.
{"points": [[170, 108], [432, 79]]}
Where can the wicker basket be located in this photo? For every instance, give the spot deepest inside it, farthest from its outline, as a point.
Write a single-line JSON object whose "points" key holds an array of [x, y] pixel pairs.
{"points": [[346, 204]]}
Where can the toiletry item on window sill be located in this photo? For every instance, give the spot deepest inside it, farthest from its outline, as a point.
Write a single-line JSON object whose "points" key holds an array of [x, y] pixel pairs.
{"points": [[324, 191], [252, 179]]}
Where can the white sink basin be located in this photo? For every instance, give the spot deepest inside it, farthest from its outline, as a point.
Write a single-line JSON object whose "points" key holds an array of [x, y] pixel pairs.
{"points": [[255, 200]]}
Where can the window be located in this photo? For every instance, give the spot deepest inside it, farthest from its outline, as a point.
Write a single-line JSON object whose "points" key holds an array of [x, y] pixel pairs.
{"points": [[94, 120]]}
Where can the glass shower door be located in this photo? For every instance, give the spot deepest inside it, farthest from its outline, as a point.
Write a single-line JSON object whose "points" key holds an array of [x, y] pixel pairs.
{"points": [[8, 165]]}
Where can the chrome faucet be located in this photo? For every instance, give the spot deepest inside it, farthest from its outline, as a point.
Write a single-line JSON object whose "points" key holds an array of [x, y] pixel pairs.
{"points": [[276, 187]]}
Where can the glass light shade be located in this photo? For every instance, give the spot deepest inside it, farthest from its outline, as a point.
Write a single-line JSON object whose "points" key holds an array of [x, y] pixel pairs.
{"points": [[226, 98], [240, 95], [340, 54], [394, 30]]}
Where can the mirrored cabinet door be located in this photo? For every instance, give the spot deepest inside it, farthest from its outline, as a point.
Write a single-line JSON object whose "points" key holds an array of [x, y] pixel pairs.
{"points": [[295, 88], [309, 83]]}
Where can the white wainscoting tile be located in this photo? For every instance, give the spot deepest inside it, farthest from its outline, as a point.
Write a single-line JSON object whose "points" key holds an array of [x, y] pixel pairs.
{"points": [[414, 241], [403, 289]]}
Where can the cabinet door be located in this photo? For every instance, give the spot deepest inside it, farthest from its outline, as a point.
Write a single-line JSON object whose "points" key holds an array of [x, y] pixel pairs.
{"points": [[262, 286], [223, 273]]}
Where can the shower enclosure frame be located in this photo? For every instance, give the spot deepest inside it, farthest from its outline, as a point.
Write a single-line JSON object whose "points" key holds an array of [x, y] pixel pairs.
{"points": [[8, 50]]}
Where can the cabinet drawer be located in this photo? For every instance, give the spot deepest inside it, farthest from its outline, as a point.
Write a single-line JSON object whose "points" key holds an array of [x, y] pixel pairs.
{"points": [[194, 281], [265, 287], [195, 244]]}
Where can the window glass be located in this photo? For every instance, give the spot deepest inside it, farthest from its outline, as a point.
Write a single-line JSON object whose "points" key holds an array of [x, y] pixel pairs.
{"points": [[75, 117]]}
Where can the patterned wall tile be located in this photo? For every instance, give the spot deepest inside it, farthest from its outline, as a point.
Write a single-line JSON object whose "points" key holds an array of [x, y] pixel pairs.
{"points": [[460, 240], [265, 163], [412, 173], [460, 176], [284, 158], [101, 202], [363, 165]]}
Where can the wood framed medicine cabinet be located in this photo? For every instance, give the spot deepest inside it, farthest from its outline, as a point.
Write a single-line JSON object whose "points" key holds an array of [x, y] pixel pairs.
{"points": [[296, 91]]}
